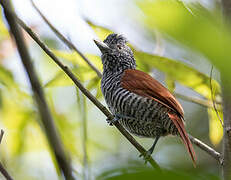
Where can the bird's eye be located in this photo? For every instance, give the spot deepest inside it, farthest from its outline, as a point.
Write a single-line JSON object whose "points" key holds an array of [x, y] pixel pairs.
{"points": [[119, 46]]}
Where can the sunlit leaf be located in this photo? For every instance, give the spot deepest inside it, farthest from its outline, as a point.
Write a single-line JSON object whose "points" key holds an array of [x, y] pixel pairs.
{"points": [[202, 30], [215, 126], [6, 77], [3, 30], [100, 31], [60, 79], [19, 121], [74, 58], [180, 72], [81, 69], [93, 83], [170, 83], [99, 92]]}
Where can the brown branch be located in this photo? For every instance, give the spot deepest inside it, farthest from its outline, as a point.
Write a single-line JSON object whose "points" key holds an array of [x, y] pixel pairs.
{"points": [[2, 169], [5, 173], [226, 171], [86, 92], [46, 117], [226, 96], [1, 135], [202, 102], [214, 104], [216, 155], [65, 40]]}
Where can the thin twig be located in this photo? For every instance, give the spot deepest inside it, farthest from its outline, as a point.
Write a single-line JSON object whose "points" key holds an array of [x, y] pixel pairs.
{"points": [[160, 48], [1, 135], [46, 117], [2, 169], [226, 97], [216, 155], [86, 92], [201, 102], [214, 105], [66, 41], [85, 139], [5, 173], [91, 97]]}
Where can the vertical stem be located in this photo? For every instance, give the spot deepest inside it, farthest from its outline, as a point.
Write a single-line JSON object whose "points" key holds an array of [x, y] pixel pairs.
{"points": [[226, 171], [226, 87], [83, 108], [39, 96], [226, 6], [85, 156]]}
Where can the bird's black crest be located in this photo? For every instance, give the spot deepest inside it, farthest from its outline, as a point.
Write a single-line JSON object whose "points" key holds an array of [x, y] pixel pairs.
{"points": [[115, 39]]}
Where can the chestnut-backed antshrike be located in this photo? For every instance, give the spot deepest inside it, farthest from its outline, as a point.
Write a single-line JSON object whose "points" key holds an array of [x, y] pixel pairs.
{"points": [[140, 103]]}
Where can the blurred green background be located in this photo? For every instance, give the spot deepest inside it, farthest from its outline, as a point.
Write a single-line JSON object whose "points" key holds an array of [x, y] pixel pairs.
{"points": [[177, 42]]}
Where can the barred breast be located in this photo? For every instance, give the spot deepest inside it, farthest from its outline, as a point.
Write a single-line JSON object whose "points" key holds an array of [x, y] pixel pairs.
{"points": [[147, 118]]}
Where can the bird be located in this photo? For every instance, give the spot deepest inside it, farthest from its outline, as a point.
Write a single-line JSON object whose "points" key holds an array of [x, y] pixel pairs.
{"points": [[141, 104]]}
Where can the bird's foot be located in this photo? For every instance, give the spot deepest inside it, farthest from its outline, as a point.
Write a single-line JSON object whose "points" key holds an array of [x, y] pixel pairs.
{"points": [[146, 156], [111, 122], [116, 118]]}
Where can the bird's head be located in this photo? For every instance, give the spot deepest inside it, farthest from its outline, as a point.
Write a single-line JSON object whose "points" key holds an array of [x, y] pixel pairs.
{"points": [[116, 55]]}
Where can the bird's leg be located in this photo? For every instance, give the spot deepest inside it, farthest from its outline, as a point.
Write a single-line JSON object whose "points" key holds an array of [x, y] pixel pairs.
{"points": [[117, 117], [111, 122], [150, 151]]}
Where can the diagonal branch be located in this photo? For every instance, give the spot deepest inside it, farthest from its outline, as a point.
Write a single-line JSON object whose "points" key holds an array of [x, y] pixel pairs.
{"points": [[86, 92], [1, 135], [46, 117], [216, 155], [202, 102], [2, 169], [197, 142], [65, 40]]}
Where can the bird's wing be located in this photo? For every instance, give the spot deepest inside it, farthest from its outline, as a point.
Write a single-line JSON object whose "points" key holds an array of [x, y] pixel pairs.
{"points": [[144, 85]]}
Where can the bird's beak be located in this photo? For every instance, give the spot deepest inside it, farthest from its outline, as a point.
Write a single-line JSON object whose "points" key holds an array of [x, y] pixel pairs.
{"points": [[102, 46]]}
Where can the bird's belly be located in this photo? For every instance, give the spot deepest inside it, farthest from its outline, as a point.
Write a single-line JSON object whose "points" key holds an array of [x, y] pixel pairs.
{"points": [[148, 118], [140, 128]]}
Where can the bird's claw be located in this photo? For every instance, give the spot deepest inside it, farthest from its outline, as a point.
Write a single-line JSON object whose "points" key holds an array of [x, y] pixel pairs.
{"points": [[146, 156], [111, 122], [116, 118]]}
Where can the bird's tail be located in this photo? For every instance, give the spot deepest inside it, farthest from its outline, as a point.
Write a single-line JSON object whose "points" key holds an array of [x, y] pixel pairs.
{"points": [[178, 122]]}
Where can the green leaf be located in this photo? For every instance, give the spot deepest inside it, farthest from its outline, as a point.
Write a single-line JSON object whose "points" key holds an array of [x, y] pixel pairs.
{"points": [[215, 126], [201, 30], [60, 79], [93, 83], [6, 77], [3, 30], [180, 72], [128, 173], [170, 83], [75, 59], [100, 31], [81, 68]]}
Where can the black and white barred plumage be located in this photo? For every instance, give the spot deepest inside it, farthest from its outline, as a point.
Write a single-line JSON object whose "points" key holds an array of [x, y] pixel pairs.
{"points": [[148, 118]]}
